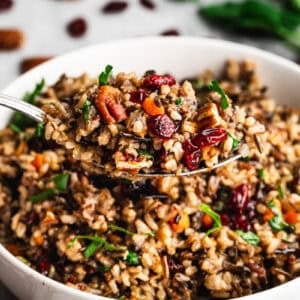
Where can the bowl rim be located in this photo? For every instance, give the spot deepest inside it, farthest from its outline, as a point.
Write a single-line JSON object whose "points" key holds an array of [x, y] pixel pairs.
{"points": [[265, 55]]}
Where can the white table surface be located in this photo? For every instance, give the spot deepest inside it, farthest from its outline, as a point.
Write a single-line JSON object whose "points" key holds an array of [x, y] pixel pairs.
{"points": [[44, 22]]}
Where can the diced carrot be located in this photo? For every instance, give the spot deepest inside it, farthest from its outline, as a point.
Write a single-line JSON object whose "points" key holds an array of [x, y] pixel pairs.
{"points": [[207, 221], [180, 222], [268, 215], [291, 217], [39, 239], [151, 108], [38, 161]]}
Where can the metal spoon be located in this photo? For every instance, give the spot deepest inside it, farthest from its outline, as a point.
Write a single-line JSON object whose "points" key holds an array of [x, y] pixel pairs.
{"points": [[37, 115]]}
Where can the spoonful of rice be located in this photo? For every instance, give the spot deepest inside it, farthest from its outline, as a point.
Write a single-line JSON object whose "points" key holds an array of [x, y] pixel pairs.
{"points": [[149, 126]]}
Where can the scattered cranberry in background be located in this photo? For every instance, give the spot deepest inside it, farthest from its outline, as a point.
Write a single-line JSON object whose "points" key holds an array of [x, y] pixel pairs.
{"points": [[209, 137], [113, 7], [6, 5], [77, 27], [170, 32], [148, 4], [137, 96]]}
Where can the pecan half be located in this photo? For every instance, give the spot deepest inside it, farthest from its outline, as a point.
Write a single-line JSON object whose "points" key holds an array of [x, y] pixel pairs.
{"points": [[31, 62], [108, 105], [11, 39], [208, 116]]}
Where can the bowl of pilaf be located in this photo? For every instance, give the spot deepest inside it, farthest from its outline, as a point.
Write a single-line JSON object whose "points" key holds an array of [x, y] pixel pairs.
{"points": [[77, 221]]}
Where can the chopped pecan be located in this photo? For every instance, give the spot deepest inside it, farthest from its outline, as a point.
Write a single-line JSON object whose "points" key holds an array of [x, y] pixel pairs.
{"points": [[107, 103], [11, 39], [208, 116]]}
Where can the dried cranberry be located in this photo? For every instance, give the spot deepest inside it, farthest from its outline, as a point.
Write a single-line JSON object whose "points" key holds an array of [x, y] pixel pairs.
{"points": [[209, 136], [148, 4], [224, 218], [72, 279], [240, 198], [155, 81], [6, 5], [241, 222], [192, 155], [44, 267], [77, 27], [137, 96], [161, 126], [170, 32], [114, 7]]}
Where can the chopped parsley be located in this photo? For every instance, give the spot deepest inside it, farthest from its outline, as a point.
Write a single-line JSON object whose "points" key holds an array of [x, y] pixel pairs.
{"points": [[179, 101], [40, 130], [132, 258], [104, 76], [215, 216], [214, 86], [277, 222], [85, 110], [235, 141], [260, 173], [44, 195], [103, 268], [145, 153], [96, 244], [20, 121], [250, 237], [121, 229], [280, 191], [61, 181]]}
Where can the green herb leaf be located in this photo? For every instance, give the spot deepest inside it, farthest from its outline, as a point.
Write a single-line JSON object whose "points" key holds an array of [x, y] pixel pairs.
{"points": [[104, 76], [40, 130], [235, 141], [179, 101], [121, 229], [86, 110], [277, 222], [215, 216], [214, 86], [96, 244], [103, 268], [61, 181], [280, 191], [260, 173], [249, 237], [44, 195], [145, 153], [20, 121], [132, 258]]}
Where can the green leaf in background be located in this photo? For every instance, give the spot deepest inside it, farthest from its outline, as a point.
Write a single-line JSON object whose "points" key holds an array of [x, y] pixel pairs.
{"points": [[20, 121], [277, 222], [86, 110], [256, 16], [235, 141], [104, 76], [250, 237], [145, 153], [260, 173], [132, 258]]}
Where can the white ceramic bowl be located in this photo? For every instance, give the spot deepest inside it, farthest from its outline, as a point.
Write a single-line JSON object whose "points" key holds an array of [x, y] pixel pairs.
{"points": [[181, 56]]}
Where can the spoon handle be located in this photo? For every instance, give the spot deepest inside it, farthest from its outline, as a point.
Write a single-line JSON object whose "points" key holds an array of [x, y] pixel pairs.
{"points": [[29, 110]]}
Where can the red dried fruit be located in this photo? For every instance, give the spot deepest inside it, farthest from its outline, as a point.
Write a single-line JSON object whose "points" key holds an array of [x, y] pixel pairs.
{"points": [[155, 81], [44, 267], [6, 5], [240, 198], [148, 4], [224, 218], [241, 222], [209, 136], [170, 32], [77, 27], [161, 126], [192, 155], [114, 7], [137, 96]]}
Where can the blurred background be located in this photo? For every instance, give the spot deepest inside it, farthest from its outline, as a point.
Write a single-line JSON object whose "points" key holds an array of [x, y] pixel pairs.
{"points": [[32, 31]]}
